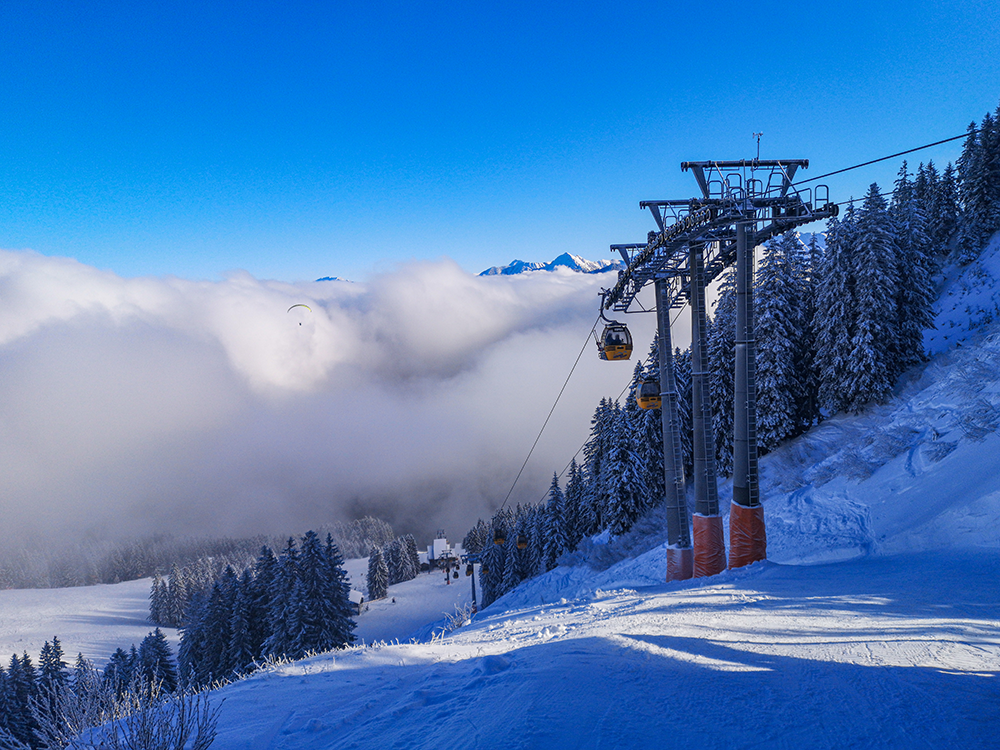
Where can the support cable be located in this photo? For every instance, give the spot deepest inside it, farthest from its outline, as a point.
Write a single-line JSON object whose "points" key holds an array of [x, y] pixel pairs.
{"points": [[886, 158], [584, 444], [554, 404]]}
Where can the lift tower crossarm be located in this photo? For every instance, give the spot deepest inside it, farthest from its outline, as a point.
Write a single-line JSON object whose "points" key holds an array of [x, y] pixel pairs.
{"points": [[787, 167]]}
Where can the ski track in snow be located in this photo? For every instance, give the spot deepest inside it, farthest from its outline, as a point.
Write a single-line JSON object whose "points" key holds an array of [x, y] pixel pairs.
{"points": [[881, 652]]}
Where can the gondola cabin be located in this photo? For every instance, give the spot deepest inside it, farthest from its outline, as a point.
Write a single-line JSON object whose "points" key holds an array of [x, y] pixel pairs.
{"points": [[648, 396], [522, 541], [615, 343], [499, 537]]}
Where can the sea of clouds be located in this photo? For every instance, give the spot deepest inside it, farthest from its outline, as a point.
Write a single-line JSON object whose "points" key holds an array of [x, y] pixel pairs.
{"points": [[136, 405]]}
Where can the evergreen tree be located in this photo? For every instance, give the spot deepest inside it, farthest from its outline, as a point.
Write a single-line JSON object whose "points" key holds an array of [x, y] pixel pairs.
{"points": [[378, 575], [158, 600], [22, 689], [6, 701], [512, 562], [871, 365], [155, 664], [622, 478], [555, 524], [265, 572], [975, 191], [118, 673], [52, 671], [394, 562], [649, 436], [836, 307], [573, 500], [493, 564], [682, 376], [178, 598], [411, 555], [477, 538], [85, 679], [341, 632], [945, 211], [241, 651], [777, 337], [915, 293], [595, 452], [722, 364], [282, 609], [318, 612]]}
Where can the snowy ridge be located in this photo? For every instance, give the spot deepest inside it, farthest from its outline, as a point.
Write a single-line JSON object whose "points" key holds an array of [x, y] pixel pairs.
{"points": [[566, 260]]}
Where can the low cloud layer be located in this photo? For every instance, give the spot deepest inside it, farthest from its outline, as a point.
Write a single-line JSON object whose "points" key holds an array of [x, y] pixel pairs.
{"points": [[130, 406]]}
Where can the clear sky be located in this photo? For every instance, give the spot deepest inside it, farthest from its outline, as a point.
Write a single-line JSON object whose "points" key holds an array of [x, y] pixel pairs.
{"points": [[305, 139]]}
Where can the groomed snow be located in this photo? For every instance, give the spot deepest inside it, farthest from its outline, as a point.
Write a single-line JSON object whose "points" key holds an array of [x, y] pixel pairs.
{"points": [[882, 652]]}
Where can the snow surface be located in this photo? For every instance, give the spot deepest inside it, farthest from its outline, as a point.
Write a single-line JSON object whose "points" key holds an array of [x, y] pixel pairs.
{"points": [[882, 652], [92, 620], [96, 620]]}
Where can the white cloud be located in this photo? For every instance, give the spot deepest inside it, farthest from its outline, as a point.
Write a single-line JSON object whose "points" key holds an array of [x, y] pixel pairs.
{"points": [[136, 404]]}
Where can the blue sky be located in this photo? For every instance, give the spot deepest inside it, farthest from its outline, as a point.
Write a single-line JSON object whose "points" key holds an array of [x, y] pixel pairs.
{"points": [[297, 140]]}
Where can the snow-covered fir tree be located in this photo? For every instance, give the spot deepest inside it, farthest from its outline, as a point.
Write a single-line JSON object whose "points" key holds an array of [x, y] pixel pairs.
{"points": [[283, 603], [649, 435], [573, 496], [776, 336], [555, 524], [339, 591], [156, 664], [682, 376], [835, 310], [722, 364], [595, 451], [915, 292], [872, 358], [622, 478], [378, 575], [242, 649]]}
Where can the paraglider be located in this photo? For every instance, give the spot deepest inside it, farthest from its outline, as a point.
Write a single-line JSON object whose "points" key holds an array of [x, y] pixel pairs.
{"points": [[299, 305]]}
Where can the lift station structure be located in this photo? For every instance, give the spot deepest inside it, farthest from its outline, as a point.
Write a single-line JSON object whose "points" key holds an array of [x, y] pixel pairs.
{"points": [[742, 205]]}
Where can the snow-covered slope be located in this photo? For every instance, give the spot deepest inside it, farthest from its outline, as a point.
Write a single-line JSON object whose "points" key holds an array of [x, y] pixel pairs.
{"points": [[92, 620], [921, 472], [887, 652], [95, 620]]}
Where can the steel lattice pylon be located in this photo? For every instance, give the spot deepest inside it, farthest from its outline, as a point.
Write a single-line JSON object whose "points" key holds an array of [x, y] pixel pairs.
{"points": [[742, 205]]}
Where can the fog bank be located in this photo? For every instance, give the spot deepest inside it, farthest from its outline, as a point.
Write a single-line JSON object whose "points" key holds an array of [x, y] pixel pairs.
{"points": [[135, 405]]}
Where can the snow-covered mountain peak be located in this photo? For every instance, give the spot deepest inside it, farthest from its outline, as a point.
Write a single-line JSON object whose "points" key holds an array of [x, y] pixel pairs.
{"points": [[566, 260]]}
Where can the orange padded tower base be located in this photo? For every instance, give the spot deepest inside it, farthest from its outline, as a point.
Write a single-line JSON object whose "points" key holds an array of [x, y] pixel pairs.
{"points": [[747, 536], [709, 545], [680, 564]]}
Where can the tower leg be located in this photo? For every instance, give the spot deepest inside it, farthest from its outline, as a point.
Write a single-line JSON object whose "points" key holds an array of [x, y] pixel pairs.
{"points": [[747, 535], [679, 553], [709, 542]]}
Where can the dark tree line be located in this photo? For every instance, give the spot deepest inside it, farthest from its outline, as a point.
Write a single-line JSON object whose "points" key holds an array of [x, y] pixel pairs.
{"points": [[33, 700], [284, 606], [171, 597], [88, 563], [392, 563], [836, 325]]}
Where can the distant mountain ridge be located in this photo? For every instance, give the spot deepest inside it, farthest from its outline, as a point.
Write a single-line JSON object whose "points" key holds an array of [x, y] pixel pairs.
{"points": [[566, 260]]}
